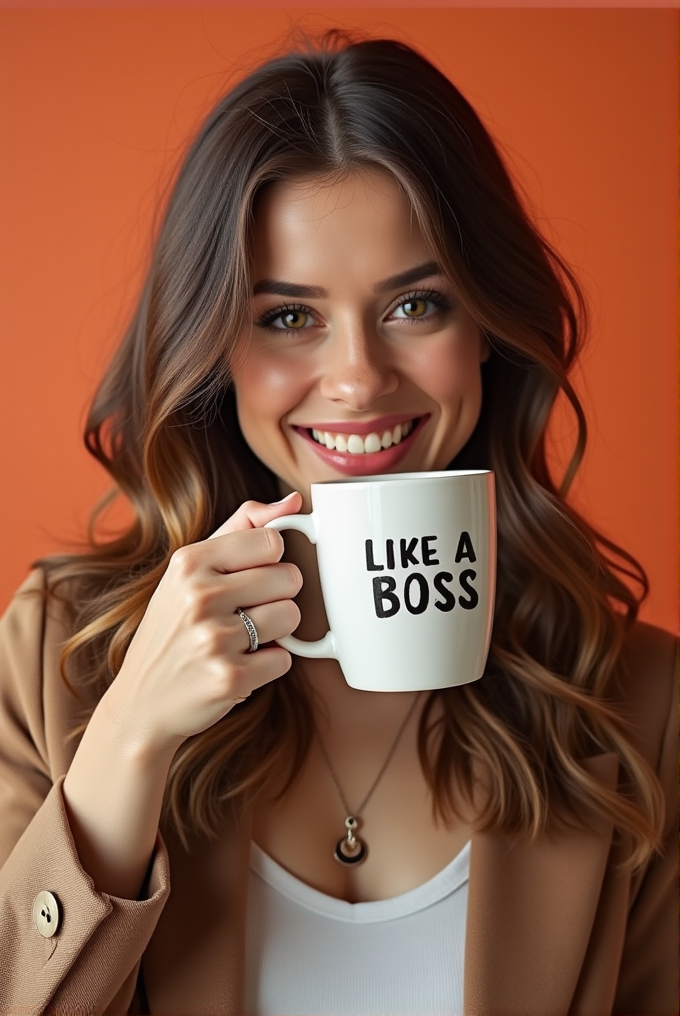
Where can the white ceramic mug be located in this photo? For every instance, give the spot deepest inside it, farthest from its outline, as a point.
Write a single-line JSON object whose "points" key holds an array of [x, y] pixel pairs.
{"points": [[407, 563]]}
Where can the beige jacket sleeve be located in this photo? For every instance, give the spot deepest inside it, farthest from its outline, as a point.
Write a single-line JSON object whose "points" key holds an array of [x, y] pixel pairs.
{"points": [[90, 964], [648, 974]]}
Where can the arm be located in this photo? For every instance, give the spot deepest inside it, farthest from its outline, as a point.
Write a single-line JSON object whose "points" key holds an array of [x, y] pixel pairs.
{"points": [[95, 953], [91, 838], [100, 939]]}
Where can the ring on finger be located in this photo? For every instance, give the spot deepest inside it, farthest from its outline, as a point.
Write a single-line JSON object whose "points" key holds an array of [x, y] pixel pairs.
{"points": [[250, 628]]}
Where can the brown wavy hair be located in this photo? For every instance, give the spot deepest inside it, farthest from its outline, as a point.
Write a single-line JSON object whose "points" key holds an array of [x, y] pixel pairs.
{"points": [[163, 424]]}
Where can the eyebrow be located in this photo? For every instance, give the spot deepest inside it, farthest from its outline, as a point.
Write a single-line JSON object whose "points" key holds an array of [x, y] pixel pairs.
{"points": [[277, 287]]}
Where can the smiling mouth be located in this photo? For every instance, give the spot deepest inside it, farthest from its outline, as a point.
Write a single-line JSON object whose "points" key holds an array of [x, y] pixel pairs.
{"points": [[366, 444]]}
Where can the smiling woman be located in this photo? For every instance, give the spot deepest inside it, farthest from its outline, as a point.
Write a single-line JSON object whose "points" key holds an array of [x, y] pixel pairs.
{"points": [[345, 283], [372, 374]]}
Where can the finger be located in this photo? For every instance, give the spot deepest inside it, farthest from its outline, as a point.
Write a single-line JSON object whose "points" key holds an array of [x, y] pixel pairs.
{"points": [[249, 587], [231, 553], [254, 514], [272, 621], [261, 668]]}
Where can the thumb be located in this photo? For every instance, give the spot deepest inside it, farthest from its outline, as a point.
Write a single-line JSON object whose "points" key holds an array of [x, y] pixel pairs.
{"points": [[255, 514]]}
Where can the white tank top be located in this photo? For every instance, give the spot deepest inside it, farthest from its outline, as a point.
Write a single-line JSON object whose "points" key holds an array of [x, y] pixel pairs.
{"points": [[309, 954]]}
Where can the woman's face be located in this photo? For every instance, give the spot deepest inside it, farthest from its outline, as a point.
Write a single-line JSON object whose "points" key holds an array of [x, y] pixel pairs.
{"points": [[361, 359]]}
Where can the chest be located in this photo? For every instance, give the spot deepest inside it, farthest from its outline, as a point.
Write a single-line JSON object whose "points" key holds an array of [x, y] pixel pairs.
{"points": [[405, 846], [312, 953]]}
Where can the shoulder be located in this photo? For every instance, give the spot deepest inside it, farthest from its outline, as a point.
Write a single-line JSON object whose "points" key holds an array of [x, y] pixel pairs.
{"points": [[37, 602], [649, 648], [22, 632], [37, 706], [39, 615], [25, 609], [644, 687]]}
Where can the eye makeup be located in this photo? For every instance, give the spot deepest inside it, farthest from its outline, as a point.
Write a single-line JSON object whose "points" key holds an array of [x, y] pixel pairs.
{"points": [[441, 302]]}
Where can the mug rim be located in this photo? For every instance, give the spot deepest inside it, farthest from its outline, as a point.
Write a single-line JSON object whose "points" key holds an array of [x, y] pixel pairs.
{"points": [[391, 477]]}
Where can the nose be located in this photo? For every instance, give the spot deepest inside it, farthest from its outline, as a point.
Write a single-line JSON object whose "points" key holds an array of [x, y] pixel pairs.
{"points": [[358, 369]]}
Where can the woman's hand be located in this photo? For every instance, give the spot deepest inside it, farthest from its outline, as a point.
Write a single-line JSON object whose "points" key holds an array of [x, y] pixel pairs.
{"points": [[189, 661], [187, 665]]}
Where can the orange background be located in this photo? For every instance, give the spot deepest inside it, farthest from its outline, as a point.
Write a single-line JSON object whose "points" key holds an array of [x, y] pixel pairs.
{"points": [[96, 106]]}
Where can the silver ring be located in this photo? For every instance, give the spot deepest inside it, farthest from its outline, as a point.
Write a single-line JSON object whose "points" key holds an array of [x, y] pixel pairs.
{"points": [[250, 628]]}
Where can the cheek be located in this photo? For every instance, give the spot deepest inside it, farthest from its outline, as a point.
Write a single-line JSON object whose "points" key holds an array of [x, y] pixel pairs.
{"points": [[451, 374], [266, 388]]}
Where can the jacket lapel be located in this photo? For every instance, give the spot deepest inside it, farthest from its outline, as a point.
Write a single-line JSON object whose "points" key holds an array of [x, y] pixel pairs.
{"points": [[531, 909]]}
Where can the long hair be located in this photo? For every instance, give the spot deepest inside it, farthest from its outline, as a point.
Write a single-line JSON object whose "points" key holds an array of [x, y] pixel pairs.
{"points": [[163, 424]]}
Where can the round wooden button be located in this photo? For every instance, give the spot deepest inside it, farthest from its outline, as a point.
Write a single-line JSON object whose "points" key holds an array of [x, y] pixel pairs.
{"points": [[46, 914]]}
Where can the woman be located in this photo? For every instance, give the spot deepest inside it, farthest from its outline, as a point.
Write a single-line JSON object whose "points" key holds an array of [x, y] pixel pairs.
{"points": [[343, 261]]}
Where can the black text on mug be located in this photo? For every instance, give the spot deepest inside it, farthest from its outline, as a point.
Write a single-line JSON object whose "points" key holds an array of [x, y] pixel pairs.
{"points": [[417, 590]]}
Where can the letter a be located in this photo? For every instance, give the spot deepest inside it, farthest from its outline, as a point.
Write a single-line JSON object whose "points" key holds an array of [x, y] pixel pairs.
{"points": [[465, 549]]}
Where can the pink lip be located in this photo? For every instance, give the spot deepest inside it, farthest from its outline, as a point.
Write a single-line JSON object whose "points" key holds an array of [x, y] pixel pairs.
{"points": [[378, 426], [366, 464]]}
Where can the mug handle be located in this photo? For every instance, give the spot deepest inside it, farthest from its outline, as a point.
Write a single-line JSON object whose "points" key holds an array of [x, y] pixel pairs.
{"points": [[323, 648]]}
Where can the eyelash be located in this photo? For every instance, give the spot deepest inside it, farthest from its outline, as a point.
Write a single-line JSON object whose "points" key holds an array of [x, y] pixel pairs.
{"points": [[441, 302], [267, 319]]}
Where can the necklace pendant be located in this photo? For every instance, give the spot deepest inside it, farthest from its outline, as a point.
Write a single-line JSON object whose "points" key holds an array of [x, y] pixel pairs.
{"points": [[350, 849]]}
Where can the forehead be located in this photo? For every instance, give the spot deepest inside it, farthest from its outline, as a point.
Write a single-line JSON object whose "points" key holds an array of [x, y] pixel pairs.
{"points": [[317, 222]]}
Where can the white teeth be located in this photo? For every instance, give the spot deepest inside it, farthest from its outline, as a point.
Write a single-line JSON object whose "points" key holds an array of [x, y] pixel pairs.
{"points": [[357, 445]]}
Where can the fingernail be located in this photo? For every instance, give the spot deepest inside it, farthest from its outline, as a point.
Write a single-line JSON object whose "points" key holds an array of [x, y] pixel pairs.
{"points": [[284, 499]]}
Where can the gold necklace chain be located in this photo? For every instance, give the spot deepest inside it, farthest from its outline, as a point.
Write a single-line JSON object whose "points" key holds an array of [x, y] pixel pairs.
{"points": [[352, 850]]}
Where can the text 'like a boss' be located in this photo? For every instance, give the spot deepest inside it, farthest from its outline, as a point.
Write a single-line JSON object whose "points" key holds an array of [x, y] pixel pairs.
{"points": [[415, 594]]}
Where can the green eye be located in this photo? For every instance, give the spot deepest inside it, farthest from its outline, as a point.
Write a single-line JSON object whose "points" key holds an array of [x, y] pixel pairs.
{"points": [[294, 319], [289, 318], [423, 305], [415, 308]]}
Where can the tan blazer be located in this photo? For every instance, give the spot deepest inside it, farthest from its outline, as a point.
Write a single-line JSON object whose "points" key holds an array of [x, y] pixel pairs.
{"points": [[554, 928]]}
